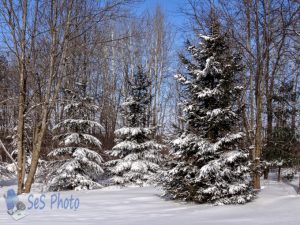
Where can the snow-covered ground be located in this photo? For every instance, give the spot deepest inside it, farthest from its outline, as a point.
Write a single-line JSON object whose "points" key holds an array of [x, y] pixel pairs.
{"points": [[277, 204]]}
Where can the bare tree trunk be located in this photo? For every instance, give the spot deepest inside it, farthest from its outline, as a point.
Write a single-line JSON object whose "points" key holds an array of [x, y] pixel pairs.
{"points": [[49, 98], [299, 185], [258, 95], [7, 153], [294, 97], [266, 172], [248, 6], [22, 99], [279, 174], [268, 87]]}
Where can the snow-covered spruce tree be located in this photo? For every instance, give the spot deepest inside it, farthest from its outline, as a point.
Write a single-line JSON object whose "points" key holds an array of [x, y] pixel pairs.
{"points": [[75, 165], [136, 154], [210, 167]]}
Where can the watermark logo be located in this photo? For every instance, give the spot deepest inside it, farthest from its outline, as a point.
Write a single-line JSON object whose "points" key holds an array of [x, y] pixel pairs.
{"points": [[15, 208], [18, 209], [57, 201]]}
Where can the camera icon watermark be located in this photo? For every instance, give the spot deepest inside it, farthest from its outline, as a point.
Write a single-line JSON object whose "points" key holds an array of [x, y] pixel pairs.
{"points": [[15, 208]]}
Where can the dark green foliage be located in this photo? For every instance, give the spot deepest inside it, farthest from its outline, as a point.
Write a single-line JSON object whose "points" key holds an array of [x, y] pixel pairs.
{"points": [[209, 165], [283, 146], [137, 155]]}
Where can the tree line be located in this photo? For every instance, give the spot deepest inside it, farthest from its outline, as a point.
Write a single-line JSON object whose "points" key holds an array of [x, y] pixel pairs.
{"points": [[48, 46]]}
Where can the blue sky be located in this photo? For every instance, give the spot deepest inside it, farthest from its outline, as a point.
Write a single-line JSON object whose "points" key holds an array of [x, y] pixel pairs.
{"points": [[171, 8]]}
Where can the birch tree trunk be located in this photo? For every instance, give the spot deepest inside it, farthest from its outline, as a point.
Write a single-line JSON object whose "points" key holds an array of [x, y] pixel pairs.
{"points": [[22, 99], [52, 91]]}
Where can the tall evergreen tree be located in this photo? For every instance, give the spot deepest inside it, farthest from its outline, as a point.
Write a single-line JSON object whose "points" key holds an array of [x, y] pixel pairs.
{"points": [[210, 166], [75, 165], [137, 155]]}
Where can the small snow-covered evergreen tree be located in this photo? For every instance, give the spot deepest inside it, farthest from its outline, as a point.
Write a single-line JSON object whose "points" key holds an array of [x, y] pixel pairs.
{"points": [[76, 165], [210, 166], [137, 154]]}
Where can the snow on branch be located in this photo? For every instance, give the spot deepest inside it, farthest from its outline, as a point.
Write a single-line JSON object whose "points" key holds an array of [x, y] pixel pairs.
{"points": [[228, 139], [78, 122], [132, 131], [77, 138], [89, 154], [205, 71], [205, 37], [207, 93], [127, 145]]}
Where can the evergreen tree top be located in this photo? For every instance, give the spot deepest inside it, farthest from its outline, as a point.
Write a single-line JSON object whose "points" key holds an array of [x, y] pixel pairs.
{"points": [[211, 87], [135, 105]]}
